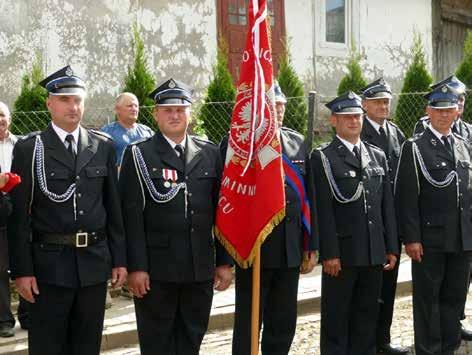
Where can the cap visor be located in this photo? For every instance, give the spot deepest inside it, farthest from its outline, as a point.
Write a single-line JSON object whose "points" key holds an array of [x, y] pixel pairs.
{"points": [[68, 92], [443, 105], [350, 111], [379, 95]]}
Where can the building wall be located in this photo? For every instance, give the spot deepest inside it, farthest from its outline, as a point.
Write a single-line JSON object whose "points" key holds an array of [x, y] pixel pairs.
{"points": [[381, 30], [94, 37], [180, 36]]}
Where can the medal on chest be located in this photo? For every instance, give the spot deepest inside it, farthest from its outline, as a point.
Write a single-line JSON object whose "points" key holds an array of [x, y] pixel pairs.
{"points": [[170, 177]]}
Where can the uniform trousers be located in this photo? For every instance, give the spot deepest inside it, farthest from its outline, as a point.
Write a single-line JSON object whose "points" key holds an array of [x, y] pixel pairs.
{"points": [[387, 301], [172, 318], [278, 310], [6, 317], [349, 310], [67, 321], [440, 282]]}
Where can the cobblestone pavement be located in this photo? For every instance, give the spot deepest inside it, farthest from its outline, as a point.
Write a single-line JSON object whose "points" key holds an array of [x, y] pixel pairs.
{"points": [[307, 336]]}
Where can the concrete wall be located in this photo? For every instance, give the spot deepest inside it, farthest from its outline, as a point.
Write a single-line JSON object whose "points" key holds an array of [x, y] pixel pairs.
{"points": [[94, 37]]}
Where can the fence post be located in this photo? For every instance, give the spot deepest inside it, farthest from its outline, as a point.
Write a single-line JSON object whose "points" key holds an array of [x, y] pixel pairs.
{"points": [[311, 119]]}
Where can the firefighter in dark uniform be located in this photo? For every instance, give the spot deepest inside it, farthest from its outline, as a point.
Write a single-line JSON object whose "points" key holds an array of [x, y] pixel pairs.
{"points": [[288, 251], [357, 228], [464, 130], [169, 188], [434, 194], [459, 127], [66, 231], [384, 134]]}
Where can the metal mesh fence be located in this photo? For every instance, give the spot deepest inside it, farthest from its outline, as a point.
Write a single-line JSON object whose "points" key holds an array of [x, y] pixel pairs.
{"points": [[212, 120]]}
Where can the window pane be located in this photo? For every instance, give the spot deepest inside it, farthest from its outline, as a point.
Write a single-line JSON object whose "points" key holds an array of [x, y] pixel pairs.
{"points": [[242, 7], [242, 20], [335, 21], [233, 19], [232, 6]]}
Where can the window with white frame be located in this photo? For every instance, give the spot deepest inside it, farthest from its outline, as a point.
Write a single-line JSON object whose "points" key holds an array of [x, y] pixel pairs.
{"points": [[335, 29], [335, 26]]}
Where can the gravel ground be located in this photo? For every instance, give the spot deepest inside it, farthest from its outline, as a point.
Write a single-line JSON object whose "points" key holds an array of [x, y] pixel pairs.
{"points": [[307, 336]]}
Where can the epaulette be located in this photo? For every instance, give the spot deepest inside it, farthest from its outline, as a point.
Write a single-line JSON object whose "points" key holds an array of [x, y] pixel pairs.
{"points": [[393, 124], [292, 131], [415, 137], [140, 140], [372, 146], [459, 137], [100, 133], [203, 140], [29, 135], [424, 118], [322, 146]]}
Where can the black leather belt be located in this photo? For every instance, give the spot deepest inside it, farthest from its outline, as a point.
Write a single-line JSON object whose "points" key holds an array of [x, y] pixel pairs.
{"points": [[78, 240]]}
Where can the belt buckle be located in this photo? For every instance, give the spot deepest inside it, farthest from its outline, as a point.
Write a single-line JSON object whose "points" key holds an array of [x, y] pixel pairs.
{"points": [[78, 240]]}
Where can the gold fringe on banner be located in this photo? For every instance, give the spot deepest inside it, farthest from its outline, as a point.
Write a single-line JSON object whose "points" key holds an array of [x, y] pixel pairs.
{"points": [[246, 263]]}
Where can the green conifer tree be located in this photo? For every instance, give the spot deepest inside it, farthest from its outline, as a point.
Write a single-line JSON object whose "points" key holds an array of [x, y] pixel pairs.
{"points": [[464, 74], [296, 110], [353, 80], [139, 79], [30, 113], [411, 104], [214, 116]]}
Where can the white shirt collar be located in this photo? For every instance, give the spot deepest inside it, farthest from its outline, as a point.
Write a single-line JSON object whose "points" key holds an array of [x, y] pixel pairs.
{"points": [[376, 125], [63, 134], [173, 144], [349, 145], [437, 134]]}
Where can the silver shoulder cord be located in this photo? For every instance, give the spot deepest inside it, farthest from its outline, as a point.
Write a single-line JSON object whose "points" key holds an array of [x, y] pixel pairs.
{"points": [[143, 174], [38, 167], [336, 192], [438, 184]]}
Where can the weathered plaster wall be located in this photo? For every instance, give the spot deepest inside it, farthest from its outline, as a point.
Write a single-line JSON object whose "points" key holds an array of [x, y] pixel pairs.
{"points": [[94, 37]]}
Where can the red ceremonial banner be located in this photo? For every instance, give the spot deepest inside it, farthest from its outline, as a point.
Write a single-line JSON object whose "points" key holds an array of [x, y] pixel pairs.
{"points": [[252, 196]]}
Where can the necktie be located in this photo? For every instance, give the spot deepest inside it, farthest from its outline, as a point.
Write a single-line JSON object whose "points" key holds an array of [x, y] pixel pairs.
{"points": [[181, 152], [70, 147], [447, 145], [357, 152], [383, 139]]}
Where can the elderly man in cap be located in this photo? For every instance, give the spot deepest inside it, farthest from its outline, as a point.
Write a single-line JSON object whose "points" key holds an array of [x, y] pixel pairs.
{"points": [[66, 232], [125, 129], [288, 251], [459, 127], [384, 134], [169, 185], [357, 228], [434, 193]]}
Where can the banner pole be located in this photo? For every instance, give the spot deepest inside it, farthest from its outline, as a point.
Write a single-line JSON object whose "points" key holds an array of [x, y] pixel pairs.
{"points": [[256, 283]]}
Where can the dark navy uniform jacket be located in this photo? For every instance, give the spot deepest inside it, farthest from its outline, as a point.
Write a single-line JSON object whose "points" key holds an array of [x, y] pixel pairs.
{"points": [[97, 207], [360, 233]]}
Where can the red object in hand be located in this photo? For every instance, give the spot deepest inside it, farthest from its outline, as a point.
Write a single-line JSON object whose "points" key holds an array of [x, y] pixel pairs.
{"points": [[13, 180]]}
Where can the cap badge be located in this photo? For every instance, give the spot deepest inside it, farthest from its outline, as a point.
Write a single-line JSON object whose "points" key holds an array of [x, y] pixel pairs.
{"points": [[172, 84], [444, 89], [69, 71], [382, 82], [350, 95]]}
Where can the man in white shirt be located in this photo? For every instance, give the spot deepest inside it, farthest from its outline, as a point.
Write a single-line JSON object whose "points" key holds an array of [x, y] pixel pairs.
{"points": [[7, 141]]}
